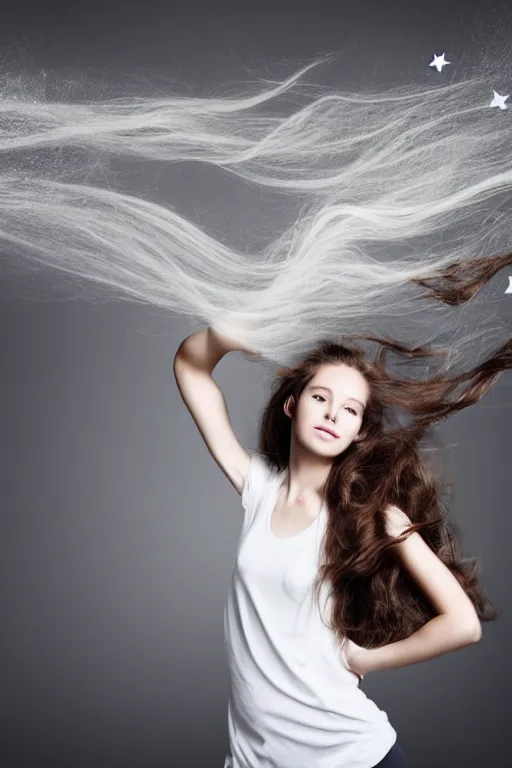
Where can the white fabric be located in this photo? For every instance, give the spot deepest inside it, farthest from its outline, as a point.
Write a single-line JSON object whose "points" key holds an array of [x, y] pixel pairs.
{"points": [[293, 701]]}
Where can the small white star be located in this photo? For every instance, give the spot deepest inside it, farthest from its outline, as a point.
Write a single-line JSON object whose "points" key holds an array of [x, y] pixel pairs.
{"points": [[439, 62], [509, 289], [498, 101]]}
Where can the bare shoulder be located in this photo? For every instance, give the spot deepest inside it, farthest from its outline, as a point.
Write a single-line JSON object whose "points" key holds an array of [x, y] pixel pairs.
{"points": [[237, 468]]}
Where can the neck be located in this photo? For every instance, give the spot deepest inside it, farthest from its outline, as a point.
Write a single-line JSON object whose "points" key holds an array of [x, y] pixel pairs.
{"points": [[306, 474]]}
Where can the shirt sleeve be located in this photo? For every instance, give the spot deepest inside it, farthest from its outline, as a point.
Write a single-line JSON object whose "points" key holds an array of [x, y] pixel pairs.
{"points": [[257, 476]]}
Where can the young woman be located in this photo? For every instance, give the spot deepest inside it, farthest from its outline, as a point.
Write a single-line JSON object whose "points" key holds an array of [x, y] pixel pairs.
{"points": [[326, 501], [371, 211]]}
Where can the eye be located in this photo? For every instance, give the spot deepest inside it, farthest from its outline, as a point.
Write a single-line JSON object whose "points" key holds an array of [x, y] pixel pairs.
{"points": [[351, 410], [320, 396]]}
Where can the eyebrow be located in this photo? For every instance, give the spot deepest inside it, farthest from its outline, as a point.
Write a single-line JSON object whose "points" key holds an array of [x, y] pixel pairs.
{"points": [[349, 398]]}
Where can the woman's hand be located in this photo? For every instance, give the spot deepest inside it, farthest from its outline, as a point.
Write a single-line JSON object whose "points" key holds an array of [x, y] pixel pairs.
{"points": [[225, 339], [354, 657], [250, 355]]}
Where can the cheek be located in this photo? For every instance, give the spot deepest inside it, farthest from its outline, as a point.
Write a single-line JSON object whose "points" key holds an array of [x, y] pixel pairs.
{"points": [[351, 426], [305, 415], [305, 420]]}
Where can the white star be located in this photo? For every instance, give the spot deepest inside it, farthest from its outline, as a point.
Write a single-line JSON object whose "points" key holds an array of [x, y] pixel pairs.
{"points": [[509, 289], [498, 101], [439, 62]]}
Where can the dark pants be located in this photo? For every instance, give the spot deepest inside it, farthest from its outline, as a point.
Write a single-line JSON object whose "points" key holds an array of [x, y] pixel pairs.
{"points": [[395, 758]]}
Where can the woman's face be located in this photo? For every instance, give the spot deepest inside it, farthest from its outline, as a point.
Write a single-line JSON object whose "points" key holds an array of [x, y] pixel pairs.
{"points": [[336, 392]]}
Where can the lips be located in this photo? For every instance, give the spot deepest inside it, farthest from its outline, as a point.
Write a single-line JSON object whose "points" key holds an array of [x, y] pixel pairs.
{"points": [[328, 430]]}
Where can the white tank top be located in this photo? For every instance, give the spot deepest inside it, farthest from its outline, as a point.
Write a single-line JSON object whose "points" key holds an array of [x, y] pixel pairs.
{"points": [[293, 701]]}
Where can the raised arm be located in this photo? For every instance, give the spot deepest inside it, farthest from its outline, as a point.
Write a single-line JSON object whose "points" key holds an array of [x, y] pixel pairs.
{"points": [[194, 362]]}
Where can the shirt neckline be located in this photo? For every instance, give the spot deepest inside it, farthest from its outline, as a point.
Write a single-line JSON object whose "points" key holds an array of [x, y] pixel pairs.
{"points": [[270, 509]]}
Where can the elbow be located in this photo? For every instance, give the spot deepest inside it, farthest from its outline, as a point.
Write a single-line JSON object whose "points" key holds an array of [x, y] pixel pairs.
{"points": [[467, 630], [472, 632]]}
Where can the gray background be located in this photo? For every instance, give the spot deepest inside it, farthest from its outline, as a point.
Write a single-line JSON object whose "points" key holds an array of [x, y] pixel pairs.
{"points": [[118, 531]]}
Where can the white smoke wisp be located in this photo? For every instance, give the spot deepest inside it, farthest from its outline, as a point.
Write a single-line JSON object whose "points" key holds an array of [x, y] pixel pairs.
{"points": [[391, 185]]}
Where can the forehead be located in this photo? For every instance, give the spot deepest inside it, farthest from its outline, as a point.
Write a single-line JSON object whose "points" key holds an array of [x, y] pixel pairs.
{"points": [[342, 380]]}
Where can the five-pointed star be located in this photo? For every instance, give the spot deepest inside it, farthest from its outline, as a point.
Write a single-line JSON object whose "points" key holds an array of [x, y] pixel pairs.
{"points": [[439, 62], [509, 289], [499, 101]]}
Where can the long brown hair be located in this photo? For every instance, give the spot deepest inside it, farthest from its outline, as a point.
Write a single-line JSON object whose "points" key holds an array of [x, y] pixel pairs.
{"points": [[374, 599]]}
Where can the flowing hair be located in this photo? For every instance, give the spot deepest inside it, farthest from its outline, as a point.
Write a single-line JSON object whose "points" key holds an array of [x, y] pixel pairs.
{"points": [[387, 218], [371, 194], [373, 599]]}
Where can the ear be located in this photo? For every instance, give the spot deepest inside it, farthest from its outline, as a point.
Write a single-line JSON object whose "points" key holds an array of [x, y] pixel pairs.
{"points": [[289, 405]]}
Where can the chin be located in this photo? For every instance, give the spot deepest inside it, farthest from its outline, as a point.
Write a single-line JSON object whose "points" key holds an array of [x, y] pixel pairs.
{"points": [[328, 451]]}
